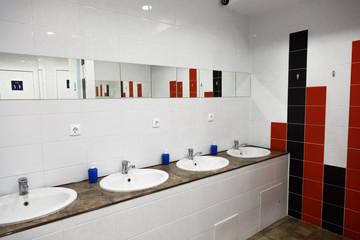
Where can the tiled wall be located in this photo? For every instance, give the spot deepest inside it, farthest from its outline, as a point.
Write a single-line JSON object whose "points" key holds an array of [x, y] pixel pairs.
{"points": [[315, 110], [34, 138]]}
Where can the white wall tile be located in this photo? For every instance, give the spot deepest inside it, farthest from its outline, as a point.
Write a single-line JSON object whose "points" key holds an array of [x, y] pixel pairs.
{"points": [[133, 8], [21, 160], [101, 47], [52, 236], [16, 38], [36, 232], [10, 108], [64, 154], [172, 208], [98, 22], [133, 28], [66, 175], [58, 13], [335, 156], [103, 228], [336, 136], [20, 130], [163, 11], [103, 4], [11, 185], [17, 11], [176, 230], [202, 197]]}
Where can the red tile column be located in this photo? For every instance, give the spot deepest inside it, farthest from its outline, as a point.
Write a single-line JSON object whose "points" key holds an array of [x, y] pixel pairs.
{"points": [[278, 136]]}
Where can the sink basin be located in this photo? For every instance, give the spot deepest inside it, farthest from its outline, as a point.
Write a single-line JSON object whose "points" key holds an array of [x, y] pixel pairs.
{"points": [[136, 179], [202, 163], [39, 202], [248, 152]]}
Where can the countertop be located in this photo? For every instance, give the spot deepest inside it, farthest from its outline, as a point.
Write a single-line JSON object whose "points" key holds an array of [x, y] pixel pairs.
{"points": [[91, 197]]}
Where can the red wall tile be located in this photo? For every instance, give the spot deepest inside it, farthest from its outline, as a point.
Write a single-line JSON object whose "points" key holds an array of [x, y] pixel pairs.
{"points": [[278, 130], [139, 90], [315, 115], [353, 179], [311, 220], [354, 117], [312, 189], [351, 234], [131, 89], [353, 159], [311, 207], [208, 94], [313, 171], [314, 134], [355, 95], [314, 153], [356, 51], [355, 73], [354, 138], [179, 89], [278, 144], [352, 220], [316, 96], [352, 200], [192, 74]]}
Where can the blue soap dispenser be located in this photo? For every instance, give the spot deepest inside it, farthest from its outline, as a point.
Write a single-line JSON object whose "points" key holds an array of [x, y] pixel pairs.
{"points": [[214, 149], [165, 158], [93, 174]]}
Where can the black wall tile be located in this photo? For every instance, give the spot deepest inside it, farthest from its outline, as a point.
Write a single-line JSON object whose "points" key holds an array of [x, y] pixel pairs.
{"points": [[295, 185], [333, 214], [296, 168], [296, 114], [294, 214], [334, 175], [297, 59], [296, 149], [334, 195], [295, 202], [297, 78], [295, 132], [298, 40], [296, 96], [332, 227]]}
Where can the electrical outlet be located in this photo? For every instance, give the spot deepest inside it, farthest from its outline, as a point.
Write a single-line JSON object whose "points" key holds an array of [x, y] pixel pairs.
{"points": [[211, 117], [156, 122], [74, 129]]}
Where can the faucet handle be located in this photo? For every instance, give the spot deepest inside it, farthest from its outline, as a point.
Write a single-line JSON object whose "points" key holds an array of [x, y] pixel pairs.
{"points": [[125, 162], [23, 180]]}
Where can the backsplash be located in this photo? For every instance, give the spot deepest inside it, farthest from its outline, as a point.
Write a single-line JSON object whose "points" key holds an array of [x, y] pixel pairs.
{"points": [[35, 139]]}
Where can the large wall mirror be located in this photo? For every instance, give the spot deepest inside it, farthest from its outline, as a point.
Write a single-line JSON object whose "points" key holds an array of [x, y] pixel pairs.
{"points": [[40, 77]]}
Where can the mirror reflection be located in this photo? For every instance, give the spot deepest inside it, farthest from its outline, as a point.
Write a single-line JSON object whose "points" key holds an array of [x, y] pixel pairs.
{"points": [[33, 77]]}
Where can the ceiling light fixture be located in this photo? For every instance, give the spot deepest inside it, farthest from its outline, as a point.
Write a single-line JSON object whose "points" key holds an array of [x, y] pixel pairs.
{"points": [[146, 7], [50, 33]]}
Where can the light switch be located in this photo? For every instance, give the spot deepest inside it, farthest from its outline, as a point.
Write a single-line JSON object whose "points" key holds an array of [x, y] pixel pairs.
{"points": [[74, 129], [211, 117], [156, 122]]}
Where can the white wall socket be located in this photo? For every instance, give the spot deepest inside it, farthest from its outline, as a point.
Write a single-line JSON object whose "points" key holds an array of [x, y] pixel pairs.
{"points": [[211, 117], [156, 122], [74, 129]]}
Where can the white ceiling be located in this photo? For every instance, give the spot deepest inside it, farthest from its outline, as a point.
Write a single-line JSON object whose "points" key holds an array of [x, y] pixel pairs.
{"points": [[254, 7]]}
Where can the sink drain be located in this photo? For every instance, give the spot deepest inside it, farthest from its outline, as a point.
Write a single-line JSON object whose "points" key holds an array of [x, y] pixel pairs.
{"points": [[26, 203]]}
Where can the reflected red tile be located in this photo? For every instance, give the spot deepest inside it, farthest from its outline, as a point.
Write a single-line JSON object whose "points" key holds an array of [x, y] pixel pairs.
{"points": [[316, 96], [278, 144], [352, 220], [278, 130], [314, 153], [353, 179], [315, 115], [355, 73], [314, 134], [312, 189], [313, 171], [208, 94], [353, 159], [192, 74], [351, 234], [311, 207]]}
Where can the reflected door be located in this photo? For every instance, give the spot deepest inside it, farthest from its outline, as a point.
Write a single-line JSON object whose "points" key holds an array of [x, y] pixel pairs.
{"points": [[17, 85], [66, 87]]}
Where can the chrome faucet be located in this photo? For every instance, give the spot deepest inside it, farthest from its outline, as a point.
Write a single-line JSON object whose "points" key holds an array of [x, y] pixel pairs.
{"points": [[23, 186], [125, 167], [192, 155], [236, 145]]}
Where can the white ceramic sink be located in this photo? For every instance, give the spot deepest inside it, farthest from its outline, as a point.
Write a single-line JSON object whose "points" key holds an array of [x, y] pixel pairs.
{"points": [[248, 152], [38, 203], [202, 163], [136, 179]]}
